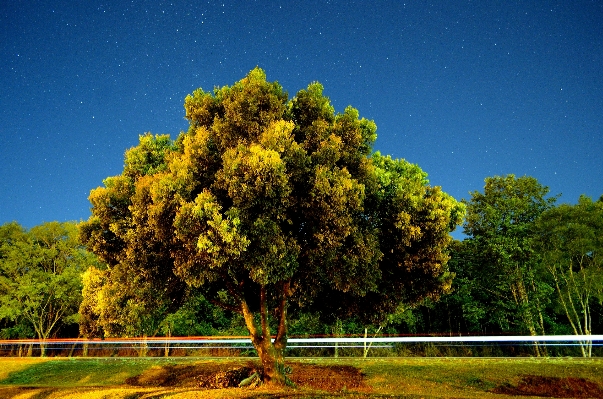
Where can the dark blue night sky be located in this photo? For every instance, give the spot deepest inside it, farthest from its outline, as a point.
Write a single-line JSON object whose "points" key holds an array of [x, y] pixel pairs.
{"points": [[464, 89]]}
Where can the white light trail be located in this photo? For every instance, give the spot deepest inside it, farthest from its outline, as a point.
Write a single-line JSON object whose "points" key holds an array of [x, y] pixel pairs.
{"points": [[325, 340]]}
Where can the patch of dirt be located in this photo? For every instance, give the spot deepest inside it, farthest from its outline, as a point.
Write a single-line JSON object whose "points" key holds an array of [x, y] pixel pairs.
{"points": [[215, 376], [196, 375], [553, 387], [327, 378], [230, 378]]}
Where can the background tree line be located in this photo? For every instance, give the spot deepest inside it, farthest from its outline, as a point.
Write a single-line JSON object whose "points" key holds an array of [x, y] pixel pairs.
{"points": [[526, 266]]}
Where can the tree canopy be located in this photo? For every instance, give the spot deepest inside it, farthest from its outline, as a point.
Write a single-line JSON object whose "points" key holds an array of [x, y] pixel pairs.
{"points": [[266, 202]]}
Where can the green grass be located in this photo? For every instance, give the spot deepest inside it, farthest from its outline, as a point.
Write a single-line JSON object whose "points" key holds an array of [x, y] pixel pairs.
{"points": [[73, 372], [387, 377], [456, 370]]}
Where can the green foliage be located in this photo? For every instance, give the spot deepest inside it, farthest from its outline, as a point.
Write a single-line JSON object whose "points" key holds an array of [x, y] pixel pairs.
{"points": [[526, 267], [198, 317], [411, 222], [129, 233], [40, 282], [500, 286], [570, 241], [118, 303], [148, 157]]}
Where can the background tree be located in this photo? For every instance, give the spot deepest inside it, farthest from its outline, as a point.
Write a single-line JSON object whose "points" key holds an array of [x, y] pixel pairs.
{"points": [[265, 202], [40, 280], [570, 241], [498, 256], [12, 234]]}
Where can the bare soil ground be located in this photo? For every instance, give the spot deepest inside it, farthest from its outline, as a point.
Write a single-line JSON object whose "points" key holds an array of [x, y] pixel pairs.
{"points": [[325, 378], [553, 387]]}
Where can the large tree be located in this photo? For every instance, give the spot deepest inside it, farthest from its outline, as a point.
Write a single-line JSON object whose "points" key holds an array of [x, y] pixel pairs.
{"points": [[266, 201], [497, 256], [570, 241], [40, 276]]}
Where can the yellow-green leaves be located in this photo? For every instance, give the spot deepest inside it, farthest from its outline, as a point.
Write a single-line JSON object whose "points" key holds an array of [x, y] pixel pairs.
{"points": [[148, 157], [254, 176], [218, 239], [335, 199], [274, 257], [278, 136], [222, 234], [237, 114], [200, 108]]}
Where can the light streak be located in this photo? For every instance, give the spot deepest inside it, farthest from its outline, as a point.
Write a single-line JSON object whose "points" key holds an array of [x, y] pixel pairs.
{"points": [[313, 340]]}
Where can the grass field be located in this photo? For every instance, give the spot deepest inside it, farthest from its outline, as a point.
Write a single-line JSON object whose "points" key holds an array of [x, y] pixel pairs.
{"points": [[130, 378]]}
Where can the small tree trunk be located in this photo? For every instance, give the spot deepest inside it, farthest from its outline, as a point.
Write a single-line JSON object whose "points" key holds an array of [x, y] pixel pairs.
{"points": [[42, 347], [144, 347], [522, 300], [166, 351], [72, 349], [365, 352], [337, 332], [367, 347]]}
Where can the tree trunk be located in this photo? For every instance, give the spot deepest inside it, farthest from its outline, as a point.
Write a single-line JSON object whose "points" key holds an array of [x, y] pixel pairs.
{"points": [[337, 330], [367, 347], [273, 363], [527, 316], [166, 350], [271, 353], [72, 349], [42, 342]]}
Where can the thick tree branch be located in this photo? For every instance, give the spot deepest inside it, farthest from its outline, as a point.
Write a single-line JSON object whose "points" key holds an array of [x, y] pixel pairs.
{"points": [[281, 313], [250, 322]]}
